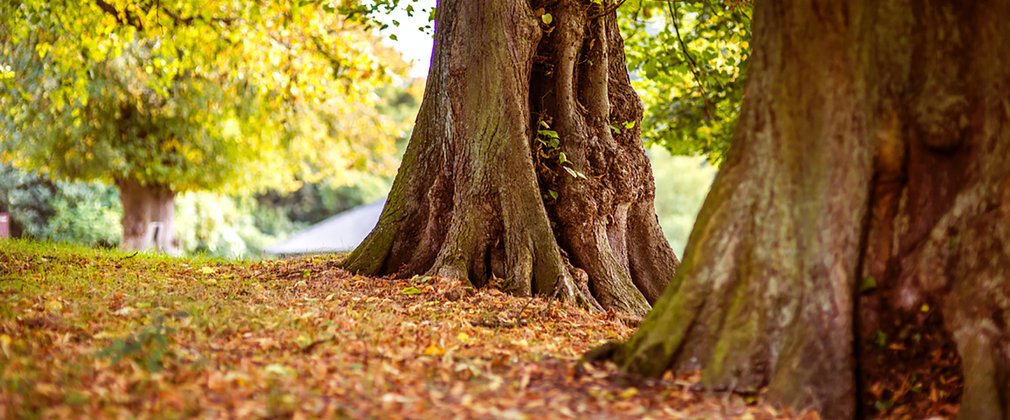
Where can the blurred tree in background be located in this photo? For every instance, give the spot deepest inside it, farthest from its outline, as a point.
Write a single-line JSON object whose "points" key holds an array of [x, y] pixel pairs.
{"points": [[163, 97], [688, 60]]}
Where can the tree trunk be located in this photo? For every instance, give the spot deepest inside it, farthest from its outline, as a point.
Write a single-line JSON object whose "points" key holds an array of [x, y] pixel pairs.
{"points": [[148, 217], [873, 148], [513, 171]]}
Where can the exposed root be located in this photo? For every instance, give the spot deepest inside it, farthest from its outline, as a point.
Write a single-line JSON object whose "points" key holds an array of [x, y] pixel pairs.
{"points": [[454, 212]]}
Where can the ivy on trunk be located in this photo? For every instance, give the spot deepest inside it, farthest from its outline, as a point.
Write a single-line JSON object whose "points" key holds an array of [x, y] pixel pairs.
{"points": [[525, 165]]}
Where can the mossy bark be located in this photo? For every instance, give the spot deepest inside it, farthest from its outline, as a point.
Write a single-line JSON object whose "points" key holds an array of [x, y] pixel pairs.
{"points": [[874, 141], [476, 198]]}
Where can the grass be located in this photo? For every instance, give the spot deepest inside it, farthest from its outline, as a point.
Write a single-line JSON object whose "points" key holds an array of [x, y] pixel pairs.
{"points": [[98, 333]]}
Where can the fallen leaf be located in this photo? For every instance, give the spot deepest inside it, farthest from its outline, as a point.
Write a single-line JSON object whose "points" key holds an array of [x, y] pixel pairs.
{"points": [[54, 305], [434, 350]]}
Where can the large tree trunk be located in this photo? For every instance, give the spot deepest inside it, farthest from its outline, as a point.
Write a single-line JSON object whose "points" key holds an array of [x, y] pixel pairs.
{"points": [[487, 190], [874, 143], [148, 217]]}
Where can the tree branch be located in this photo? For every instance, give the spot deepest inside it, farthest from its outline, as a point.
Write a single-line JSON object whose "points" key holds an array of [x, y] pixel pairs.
{"points": [[123, 17], [691, 64], [180, 20], [607, 10]]}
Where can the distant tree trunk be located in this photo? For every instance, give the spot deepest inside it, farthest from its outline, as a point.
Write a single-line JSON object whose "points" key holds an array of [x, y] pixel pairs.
{"points": [[148, 216], [486, 192], [873, 147]]}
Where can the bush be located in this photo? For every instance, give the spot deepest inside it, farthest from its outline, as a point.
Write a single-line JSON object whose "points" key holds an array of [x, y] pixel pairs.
{"points": [[60, 211], [88, 213], [218, 225]]}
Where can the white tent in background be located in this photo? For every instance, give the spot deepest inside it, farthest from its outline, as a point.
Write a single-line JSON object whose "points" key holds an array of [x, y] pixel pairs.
{"points": [[340, 233]]}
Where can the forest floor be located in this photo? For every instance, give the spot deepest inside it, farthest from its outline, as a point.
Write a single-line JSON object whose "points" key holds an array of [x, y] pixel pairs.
{"points": [[92, 333]]}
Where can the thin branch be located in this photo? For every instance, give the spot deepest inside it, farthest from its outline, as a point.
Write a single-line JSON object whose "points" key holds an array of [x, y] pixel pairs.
{"points": [[180, 20], [321, 49], [608, 10], [692, 65], [124, 17]]}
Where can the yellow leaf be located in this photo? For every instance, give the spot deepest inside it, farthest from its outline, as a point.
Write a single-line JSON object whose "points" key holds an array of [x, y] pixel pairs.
{"points": [[207, 270], [279, 370], [434, 350], [54, 306], [5, 344], [464, 337], [628, 393]]}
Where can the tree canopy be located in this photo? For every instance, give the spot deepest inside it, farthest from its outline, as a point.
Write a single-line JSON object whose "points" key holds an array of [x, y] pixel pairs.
{"points": [[689, 59], [194, 95]]}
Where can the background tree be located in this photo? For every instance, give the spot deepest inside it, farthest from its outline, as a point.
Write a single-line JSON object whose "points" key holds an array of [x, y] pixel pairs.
{"points": [[165, 97], [526, 163], [873, 151], [689, 58]]}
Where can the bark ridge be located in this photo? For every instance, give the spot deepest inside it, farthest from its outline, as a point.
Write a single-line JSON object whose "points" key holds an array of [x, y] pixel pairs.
{"points": [[513, 173], [874, 143]]}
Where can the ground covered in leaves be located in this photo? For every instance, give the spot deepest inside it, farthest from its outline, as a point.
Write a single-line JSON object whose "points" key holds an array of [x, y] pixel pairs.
{"points": [[911, 367], [99, 333]]}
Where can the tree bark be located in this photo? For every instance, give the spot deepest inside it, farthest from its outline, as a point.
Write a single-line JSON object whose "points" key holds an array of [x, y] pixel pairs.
{"points": [[513, 172], [874, 143], [148, 217]]}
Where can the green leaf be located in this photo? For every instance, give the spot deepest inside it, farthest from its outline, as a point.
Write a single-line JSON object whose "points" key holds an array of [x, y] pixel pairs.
{"points": [[562, 158], [629, 125], [547, 18], [411, 290], [420, 279], [883, 405], [880, 338], [553, 194], [574, 173], [869, 283], [548, 133]]}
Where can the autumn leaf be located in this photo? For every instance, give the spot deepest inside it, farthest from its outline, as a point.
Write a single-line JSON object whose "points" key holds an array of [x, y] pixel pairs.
{"points": [[254, 343], [433, 350]]}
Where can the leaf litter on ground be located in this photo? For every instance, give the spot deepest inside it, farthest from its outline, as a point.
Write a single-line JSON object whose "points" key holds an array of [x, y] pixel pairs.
{"points": [[89, 333]]}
